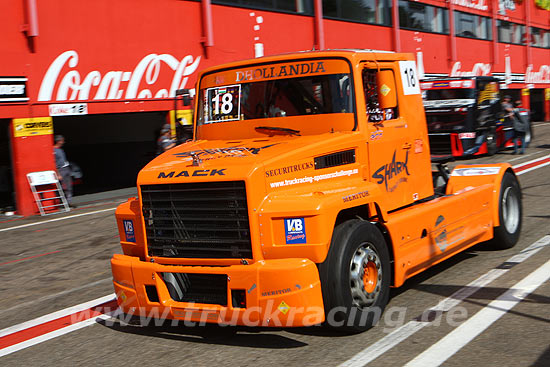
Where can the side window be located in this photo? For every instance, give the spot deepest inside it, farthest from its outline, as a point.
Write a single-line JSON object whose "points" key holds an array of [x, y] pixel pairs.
{"points": [[377, 88]]}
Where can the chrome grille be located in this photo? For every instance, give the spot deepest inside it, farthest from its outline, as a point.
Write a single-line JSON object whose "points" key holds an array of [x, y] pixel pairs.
{"points": [[197, 220]]}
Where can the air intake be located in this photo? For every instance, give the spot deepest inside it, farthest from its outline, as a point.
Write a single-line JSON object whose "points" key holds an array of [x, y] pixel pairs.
{"points": [[335, 159]]}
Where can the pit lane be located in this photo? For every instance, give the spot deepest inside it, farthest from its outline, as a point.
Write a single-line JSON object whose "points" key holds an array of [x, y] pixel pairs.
{"points": [[48, 266]]}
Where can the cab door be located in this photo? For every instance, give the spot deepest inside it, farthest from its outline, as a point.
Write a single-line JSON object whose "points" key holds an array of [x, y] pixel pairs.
{"points": [[397, 145]]}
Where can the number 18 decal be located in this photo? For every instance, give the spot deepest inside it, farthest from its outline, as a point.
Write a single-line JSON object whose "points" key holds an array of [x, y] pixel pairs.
{"points": [[409, 77], [223, 103]]}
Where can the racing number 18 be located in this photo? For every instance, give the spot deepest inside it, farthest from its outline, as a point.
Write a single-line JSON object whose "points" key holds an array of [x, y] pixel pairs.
{"points": [[226, 102], [410, 77]]}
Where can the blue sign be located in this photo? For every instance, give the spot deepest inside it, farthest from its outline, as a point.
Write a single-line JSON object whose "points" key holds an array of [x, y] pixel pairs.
{"points": [[295, 230], [129, 230]]}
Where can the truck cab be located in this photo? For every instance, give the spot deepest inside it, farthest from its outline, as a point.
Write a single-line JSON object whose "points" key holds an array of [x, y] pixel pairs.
{"points": [[306, 193]]}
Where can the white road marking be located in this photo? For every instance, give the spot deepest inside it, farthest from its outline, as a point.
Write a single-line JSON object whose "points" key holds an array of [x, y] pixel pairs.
{"points": [[55, 295], [449, 345], [378, 348], [54, 334], [55, 220], [384, 344], [56, 315], [523, 156]]}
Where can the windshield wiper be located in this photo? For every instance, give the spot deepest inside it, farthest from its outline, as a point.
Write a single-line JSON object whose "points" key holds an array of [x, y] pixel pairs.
{"points": [[275, 130]]}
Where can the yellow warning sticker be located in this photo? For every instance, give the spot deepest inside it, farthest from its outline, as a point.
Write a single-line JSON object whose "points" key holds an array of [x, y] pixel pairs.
{"points": [[283, 307], [123, 296], [384, 89]]}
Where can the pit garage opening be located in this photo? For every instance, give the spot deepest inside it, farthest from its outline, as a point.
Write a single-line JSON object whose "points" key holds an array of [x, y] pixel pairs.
{"points": [[109, 149], [7, 196], [537, 104]]}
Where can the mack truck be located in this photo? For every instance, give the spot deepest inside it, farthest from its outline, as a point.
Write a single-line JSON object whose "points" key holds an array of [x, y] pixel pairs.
{"points": [[306, 193], [465, 116]]}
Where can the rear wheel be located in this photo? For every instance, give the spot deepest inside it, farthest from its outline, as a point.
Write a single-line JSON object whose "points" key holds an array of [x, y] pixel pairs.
{"points": [[510, 210], [355, 277]]}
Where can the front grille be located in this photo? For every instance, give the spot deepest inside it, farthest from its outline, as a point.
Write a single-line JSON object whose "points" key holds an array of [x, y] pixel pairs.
{"points": [[440, 144], [197, 220], [197, 288], [445, 122]]}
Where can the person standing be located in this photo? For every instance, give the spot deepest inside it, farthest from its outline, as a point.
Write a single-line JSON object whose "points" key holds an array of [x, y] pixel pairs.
{"points": [[165, 140], [63, 168], [516, 122]]}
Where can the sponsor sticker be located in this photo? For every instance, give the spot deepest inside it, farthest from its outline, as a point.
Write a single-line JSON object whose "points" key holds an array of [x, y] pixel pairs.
{"points": [[295, 231], [476, 171], [393, 170], [129, 230], [356, 196], [317, 178], [418, 146], [32, 126], [384, 89], [289, 169], [467, 135], [283, 307], [376, 135], [276, 292]]}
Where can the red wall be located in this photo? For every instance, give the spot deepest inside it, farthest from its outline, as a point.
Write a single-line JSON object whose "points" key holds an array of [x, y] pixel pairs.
{"points": [[106, 42]]}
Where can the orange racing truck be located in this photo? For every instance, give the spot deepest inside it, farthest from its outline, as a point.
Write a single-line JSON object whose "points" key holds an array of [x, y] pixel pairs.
{"points": [[305, 194]]}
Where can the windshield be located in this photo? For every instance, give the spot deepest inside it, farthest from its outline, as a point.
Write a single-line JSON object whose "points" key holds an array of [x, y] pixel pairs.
{"points": [[278, 90]]}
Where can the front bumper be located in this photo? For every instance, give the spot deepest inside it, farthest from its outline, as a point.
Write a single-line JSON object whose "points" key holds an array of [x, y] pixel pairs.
{"points": [[282, 292]]}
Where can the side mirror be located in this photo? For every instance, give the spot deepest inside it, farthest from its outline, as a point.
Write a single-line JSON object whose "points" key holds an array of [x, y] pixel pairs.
{"points": [[387, 92], [186, 96]]}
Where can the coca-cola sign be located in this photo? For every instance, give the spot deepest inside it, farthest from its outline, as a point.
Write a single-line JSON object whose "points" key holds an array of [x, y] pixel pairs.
{"points": [[479, 69], [64, 82], [537, 77], [472, 4]]}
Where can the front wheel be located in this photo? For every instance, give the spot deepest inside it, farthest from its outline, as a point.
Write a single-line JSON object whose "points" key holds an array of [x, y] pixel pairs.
{"points": [[355, 277], [510, 210]]}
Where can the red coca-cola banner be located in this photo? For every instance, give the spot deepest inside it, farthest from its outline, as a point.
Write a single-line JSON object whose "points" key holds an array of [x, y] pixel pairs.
{"points": [[154, 76]]}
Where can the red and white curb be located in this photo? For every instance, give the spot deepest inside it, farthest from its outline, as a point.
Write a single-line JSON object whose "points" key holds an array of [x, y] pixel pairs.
{"points": [[58, 323], [531, 165]]}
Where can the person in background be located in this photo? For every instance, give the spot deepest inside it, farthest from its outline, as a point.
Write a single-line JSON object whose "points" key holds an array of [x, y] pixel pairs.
{"points": [[165, 140], [521, 124], [517, 124], [63, 168]]}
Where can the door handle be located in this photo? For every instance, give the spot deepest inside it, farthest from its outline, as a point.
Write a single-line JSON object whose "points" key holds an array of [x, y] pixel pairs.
{"points": [[407, 146]]}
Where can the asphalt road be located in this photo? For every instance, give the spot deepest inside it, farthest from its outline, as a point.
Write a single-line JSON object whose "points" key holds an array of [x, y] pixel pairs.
{"points": [[53, 265]]}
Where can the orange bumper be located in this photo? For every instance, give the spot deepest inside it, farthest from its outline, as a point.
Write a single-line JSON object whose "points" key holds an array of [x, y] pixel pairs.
{"points": [[282, 292]]}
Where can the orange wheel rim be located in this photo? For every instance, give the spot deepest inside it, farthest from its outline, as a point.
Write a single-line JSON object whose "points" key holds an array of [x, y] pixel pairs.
{"points": [[370, 277]]}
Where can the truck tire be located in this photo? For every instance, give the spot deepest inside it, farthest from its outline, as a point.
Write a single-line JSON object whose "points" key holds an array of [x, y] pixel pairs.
{"points": [[355, 277], [510, 212], [491, 140]]}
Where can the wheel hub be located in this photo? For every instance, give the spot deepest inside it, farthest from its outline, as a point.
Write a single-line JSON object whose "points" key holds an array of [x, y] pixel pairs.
{"points": [[365, 275]]}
